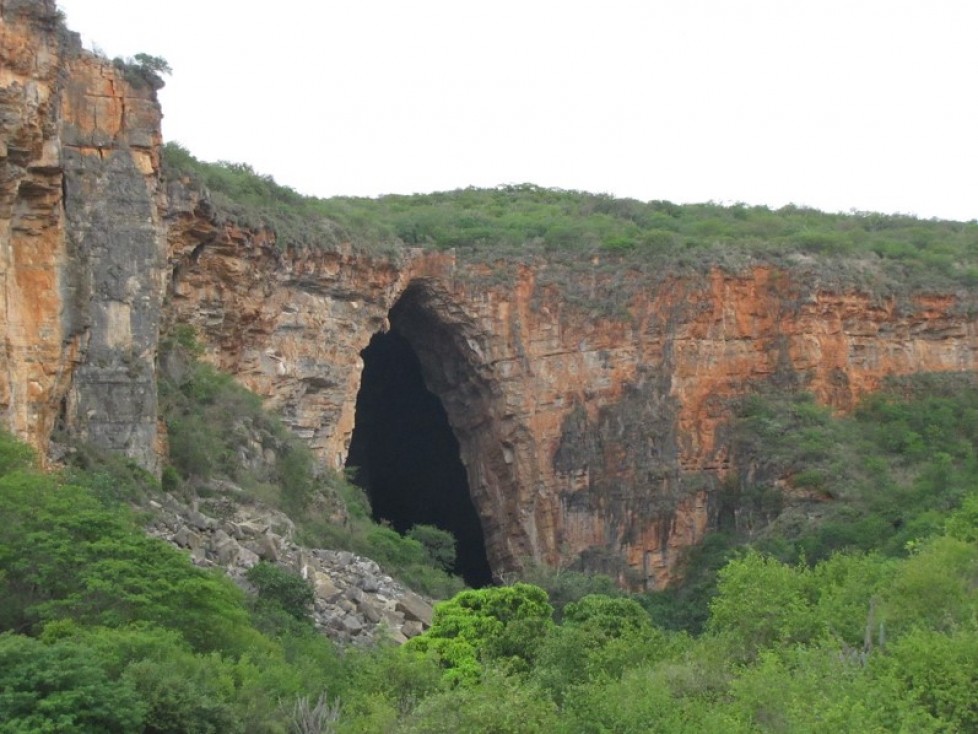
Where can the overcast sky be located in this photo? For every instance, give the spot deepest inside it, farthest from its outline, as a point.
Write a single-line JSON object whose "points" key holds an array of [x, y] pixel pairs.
{"points": [[836, 104]]}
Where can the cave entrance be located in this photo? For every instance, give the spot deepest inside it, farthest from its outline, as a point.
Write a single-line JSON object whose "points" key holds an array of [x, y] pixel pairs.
{"points": [[407, 457]]}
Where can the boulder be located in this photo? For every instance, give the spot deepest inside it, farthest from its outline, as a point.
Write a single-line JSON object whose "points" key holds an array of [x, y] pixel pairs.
{"points": [[415, 608], [412, 629], [370, 612], [187, 538]]}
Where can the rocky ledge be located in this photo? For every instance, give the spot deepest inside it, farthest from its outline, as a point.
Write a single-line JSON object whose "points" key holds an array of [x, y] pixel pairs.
{"points": [[355, 601]]}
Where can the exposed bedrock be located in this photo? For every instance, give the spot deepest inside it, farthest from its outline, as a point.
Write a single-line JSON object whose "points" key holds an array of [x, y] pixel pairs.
{"points": [[82, 244], [589, 435], [588, 400]]}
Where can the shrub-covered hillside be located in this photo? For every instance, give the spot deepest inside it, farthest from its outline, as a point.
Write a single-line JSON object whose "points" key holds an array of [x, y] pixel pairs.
{"points": [[105, 630], [809, 483], [846, 603], [526, 220], [221, 437]]}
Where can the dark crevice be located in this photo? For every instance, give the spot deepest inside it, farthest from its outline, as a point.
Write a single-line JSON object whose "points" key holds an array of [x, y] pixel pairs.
{"points": [[407, 457]]}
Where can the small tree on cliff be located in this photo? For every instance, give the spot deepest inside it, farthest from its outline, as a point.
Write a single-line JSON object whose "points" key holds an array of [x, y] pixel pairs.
{"points": [[144, 70]]}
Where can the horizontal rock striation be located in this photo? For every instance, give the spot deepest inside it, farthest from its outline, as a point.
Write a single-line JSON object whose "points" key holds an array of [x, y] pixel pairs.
{"points": [[591, 436], [589, 398]]}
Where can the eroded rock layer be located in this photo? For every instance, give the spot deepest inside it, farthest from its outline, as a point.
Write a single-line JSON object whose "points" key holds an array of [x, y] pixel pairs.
{"points": [[589, 399], [587, 438], [81, 239]]}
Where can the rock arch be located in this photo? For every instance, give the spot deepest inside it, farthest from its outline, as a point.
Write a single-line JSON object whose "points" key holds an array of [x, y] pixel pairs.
{"points": [[427, 326]]}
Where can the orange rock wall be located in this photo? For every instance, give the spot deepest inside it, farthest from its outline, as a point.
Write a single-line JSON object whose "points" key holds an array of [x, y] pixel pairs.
{"points": [[35, 359], [585, 437], [589, 400], [81, 240]]}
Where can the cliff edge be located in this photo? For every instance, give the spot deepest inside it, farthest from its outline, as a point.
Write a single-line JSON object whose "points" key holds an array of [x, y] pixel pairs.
{"points": [[589, 434]]}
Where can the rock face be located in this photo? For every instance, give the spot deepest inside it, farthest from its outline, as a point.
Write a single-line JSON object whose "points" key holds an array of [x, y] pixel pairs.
{"points": [[586, 438], [354, 601], [82, 247], [589, 400]]}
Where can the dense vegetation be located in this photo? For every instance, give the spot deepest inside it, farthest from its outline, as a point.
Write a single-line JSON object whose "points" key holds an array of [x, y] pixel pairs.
{"points": [[523, 220], [105, 629], [810, 483], [219, 434], [849, 620]]}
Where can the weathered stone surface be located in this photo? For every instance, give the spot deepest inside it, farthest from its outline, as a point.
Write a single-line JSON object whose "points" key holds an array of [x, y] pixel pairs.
{"points": [[589, 401], [415, 608], [82, 245], [187, 538], [268, 548], [370, 611], [412, 629], [343, 607], [589, 435]]}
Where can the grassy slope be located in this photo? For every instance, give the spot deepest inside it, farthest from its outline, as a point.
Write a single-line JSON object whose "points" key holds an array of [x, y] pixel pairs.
{"points": [[525, 221]]}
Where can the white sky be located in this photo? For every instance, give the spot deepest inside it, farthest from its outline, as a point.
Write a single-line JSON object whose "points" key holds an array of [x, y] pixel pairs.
{"points": [[836, 104]]}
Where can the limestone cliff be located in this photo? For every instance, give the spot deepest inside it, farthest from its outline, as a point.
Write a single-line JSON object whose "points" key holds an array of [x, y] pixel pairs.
{"points": [[81, 241], [585, 437], [589, 399]]}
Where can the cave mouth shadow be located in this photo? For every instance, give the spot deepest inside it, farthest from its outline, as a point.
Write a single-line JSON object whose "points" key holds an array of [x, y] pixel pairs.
{"points": [[406, 455]]}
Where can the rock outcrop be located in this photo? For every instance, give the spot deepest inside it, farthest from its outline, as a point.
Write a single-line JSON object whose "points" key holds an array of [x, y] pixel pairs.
{"points": [[81, 239], [589, 399], [355, 602], [589, 402]]}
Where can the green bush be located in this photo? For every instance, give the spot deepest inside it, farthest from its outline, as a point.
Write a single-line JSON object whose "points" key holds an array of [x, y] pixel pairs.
{"points": [[62, 687], [439, 545], [212, 422], [14, 454], [65, 555], [285, 589], [388, 546], [503, 625]]}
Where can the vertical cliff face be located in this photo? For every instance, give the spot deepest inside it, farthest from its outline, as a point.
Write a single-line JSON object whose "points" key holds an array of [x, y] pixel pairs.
{"points": [[34, 364], [589, 401], [81, 241], [116, 250], [590, 434]]}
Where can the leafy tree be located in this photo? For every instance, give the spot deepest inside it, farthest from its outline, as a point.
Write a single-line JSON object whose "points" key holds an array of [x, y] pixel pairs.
{"points": [[938, 672], [761, 601], [817, 689], [155, 64], [285, 589], [500, 704], [564, 585], [504, 625], [600, 638], [934, 588], [439, 545], [607, 617], [61, 687], [144, 70], [642, 701], [382, 685], [14, 454]]}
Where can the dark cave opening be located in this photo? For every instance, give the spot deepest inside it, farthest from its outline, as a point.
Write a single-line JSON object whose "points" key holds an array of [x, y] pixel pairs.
{"points": [[407, 457]]}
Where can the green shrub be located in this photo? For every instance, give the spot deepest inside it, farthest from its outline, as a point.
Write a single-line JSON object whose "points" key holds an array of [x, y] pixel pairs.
{"points": [[62, 687], [285, 589], [14, 454], [439, 545], [503, 625]]}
